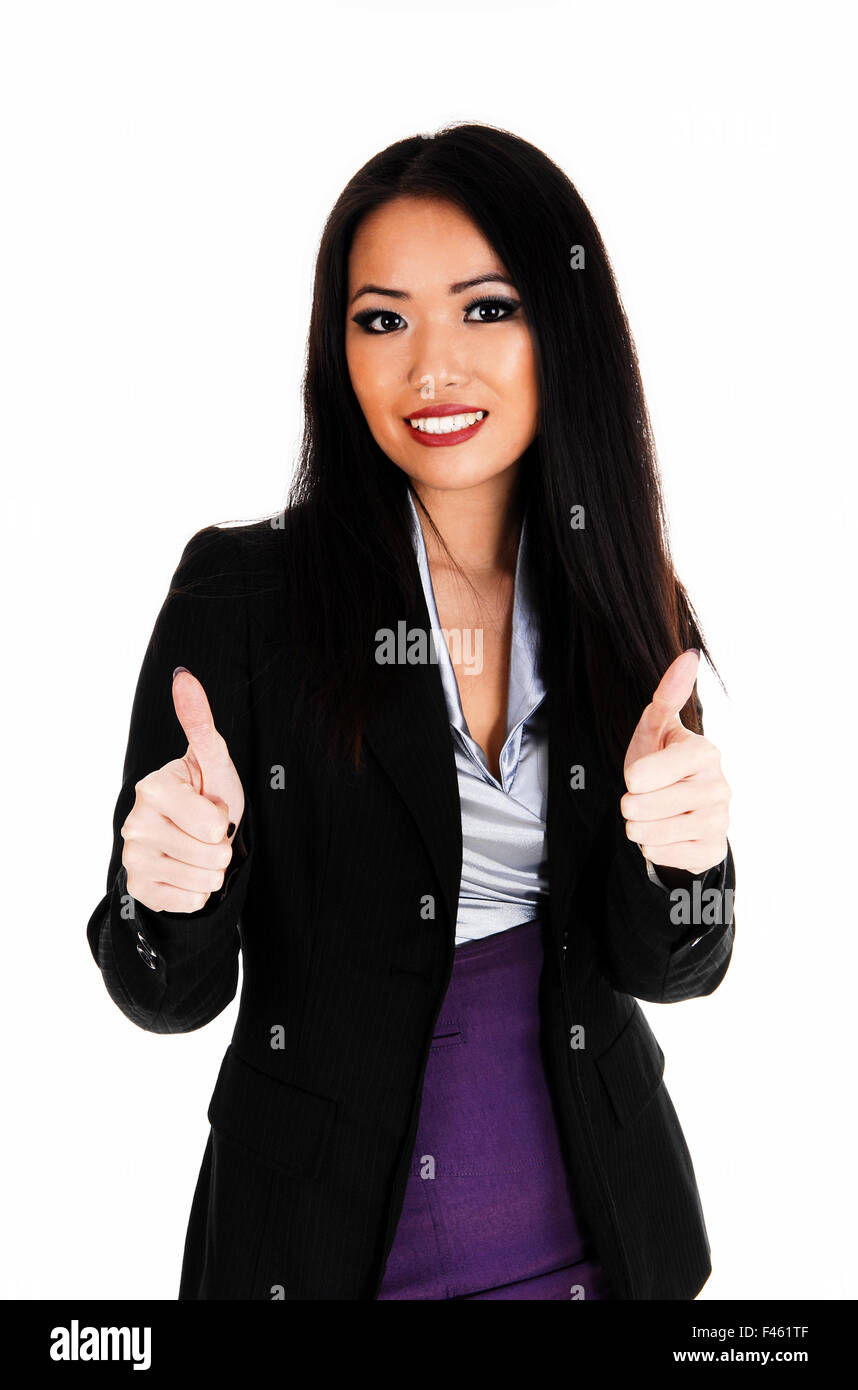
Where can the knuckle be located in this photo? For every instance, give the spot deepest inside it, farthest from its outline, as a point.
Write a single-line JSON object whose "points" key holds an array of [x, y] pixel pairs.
{"points": [[131, 827], [143, 892], [129, 854]]}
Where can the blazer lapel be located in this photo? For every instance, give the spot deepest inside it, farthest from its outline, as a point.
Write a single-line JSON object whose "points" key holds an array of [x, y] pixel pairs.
{"points": [[410, 735]]}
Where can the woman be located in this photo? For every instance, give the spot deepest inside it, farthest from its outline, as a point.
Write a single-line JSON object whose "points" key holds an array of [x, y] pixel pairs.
{"points": [[400, 745]]}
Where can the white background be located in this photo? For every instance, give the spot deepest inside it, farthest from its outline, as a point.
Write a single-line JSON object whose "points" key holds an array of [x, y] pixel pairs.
{"points": [[166, 171]]}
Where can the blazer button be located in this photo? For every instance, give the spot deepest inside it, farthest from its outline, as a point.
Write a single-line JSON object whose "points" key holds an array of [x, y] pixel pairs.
{"points": [[148, 955]]}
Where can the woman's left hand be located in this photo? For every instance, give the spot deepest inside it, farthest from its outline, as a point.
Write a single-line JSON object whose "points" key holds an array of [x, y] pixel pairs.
{"points": [[677, 804]]}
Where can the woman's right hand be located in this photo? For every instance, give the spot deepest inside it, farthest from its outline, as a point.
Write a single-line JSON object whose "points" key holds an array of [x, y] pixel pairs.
{"points": [[176, 848]]}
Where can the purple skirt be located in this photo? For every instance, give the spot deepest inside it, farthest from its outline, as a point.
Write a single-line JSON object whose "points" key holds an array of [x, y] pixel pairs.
{"points": [[489, 1212]]}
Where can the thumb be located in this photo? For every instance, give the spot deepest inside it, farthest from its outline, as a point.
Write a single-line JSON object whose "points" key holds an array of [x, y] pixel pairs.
{"points": [[671, 695], [193, 712]]}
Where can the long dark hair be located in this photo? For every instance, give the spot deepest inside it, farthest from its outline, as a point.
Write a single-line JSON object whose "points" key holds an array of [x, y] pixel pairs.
{"points": [[613, 613]]}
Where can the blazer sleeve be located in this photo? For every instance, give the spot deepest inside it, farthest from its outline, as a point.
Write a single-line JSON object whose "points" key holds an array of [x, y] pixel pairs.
{"points": [[663, 944], [173, 972]]}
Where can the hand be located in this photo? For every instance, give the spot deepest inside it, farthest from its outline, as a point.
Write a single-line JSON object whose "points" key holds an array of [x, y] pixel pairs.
{"points": [[677, 804], [177, 849]]}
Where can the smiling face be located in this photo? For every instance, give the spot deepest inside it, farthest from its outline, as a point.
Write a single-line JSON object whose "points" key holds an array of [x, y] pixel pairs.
{"points": [[425, 341]]}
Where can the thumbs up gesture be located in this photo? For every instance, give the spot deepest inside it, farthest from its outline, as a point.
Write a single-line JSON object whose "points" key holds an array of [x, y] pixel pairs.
{"points": [[178, 835], [677, 804]]}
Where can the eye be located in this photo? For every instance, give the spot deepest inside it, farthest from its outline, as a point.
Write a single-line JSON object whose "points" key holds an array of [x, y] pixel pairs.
{"points": [[368, 316], [499, 305]]}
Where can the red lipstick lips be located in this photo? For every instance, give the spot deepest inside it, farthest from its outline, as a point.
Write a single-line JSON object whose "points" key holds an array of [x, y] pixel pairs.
{"points": [[434, 441]]}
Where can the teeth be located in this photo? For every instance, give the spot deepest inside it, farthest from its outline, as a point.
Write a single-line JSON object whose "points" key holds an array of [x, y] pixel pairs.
{"points": [[446, 424]]}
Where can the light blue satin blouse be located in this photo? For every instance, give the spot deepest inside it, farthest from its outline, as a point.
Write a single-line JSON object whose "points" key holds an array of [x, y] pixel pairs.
{"points": [[504, 852]]}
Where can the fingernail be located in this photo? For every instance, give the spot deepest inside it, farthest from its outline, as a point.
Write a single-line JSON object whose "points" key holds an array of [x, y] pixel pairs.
{"points": [[230, 828], [178, 669]]}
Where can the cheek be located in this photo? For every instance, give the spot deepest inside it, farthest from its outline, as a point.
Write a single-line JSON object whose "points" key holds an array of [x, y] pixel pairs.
{"points": [[366, 380], [514, 374], [373, 379], [511, 358]]}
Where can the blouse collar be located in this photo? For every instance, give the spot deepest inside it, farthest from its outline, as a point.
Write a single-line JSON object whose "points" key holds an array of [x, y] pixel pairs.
{"points": [[526, 687]]}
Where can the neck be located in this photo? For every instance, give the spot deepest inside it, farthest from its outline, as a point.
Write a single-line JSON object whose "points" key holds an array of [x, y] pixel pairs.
{"points": [[480, 525]]}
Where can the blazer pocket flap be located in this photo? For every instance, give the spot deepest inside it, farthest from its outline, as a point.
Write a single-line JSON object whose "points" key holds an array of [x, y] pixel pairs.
{"points": [[280, 1124], [632, 1068]]}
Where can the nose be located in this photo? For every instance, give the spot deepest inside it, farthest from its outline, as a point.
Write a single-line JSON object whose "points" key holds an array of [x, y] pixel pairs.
{"points": [[437, 358]]}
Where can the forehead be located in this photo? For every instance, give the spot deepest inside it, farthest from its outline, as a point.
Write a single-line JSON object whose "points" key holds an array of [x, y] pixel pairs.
{"points": [[411, 242]]}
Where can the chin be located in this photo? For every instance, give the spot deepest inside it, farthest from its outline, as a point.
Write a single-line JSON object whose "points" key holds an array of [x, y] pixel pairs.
{"points": [[447, 474]]}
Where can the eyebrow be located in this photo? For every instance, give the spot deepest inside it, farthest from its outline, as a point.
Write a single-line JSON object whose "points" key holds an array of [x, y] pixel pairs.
{"points": [[458, 288]]}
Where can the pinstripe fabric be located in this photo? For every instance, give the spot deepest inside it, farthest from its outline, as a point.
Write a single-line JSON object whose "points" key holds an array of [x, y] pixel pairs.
{"points": [[343, 902]]}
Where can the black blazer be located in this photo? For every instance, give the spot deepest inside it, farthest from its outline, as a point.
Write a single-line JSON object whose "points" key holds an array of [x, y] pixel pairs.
{"points": [[304, 1171]]}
